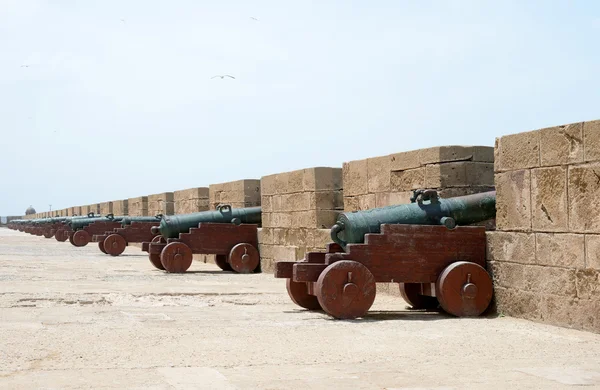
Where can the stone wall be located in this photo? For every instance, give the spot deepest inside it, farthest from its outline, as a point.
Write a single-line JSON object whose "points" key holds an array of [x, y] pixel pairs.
{"points": [[191, 200], [120, 207], [545, 254], [138, 207], [387, 180], [238, 194], [106, 208], [298, 208], [161, 204]]}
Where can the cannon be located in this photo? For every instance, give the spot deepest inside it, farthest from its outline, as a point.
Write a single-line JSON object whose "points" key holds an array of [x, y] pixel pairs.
{"points": [[62, 229], [81, 230], [132, 229], [230, 234], [425, 246]]}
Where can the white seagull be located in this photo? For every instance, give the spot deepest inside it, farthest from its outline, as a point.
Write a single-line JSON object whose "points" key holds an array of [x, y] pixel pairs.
{"points": [[222, 77]]}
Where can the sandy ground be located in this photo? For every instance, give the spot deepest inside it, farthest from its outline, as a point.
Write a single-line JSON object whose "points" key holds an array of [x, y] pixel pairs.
{"points": [[76, 318]]}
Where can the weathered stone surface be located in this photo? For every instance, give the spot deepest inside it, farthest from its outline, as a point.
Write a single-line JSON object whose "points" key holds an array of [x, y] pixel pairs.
{"points": [[355, 178], [517, 151], [382, 199], [402, 197], [121, 207], [591, 140], [268, 185], [549, 199], [405, 160], [266, 203], [453, 192], [443, 154], [295, 181], [584, 193], [516, 303], [512, 247], [366, 202], [351, 203], [561, 145], [411, 179], [592, 251], [378, 174], [163, 196], [298, 201], [191, 193], [265, 236], [558, 310], [320, 219], [459, 174], [588, 284], [513, 200], [321, 238], [560, 250], [327, 200], [191, 206], [323, 179], [138, 206], [106, 208], [533, 278]]}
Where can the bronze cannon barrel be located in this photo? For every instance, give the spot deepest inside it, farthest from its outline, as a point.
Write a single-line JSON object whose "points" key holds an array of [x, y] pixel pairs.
{"points": [[171, 225], [427, 208]]}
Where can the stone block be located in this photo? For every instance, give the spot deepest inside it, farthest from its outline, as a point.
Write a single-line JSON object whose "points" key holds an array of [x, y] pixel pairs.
{"points": [[266, 236], [511, 247], [584, 192], [378, 174], [266, 203], [382, 199], [121, 207], [267, 220], [516, 303], [366, 202], [592, 251], [410, 179], [513, 200], [327, 200], [322, 237], [560, 250], [517, 151], [191, 193], [295, 237], [267, 266], [355, 178], [106, 208], [588, 284], [298, 201], [138, 206], [444, 154], [322, 179], [591, 140], [405, 160], [462, 173], [268, 184], [453, 192], [285, 253], [186, 206], [163, 196], [533, 278], [277, 203], [549, 199], [351, 203], [561, 145], [320, 219], [283, 220], [402, 197], [295, 182]]}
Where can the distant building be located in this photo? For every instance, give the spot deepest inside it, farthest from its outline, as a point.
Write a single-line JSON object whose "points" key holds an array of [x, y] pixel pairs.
{"points": [[30, 211]]}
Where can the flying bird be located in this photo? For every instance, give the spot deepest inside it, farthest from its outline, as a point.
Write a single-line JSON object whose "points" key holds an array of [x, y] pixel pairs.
{"points": [[24, 66], [222, 77], [123, 20], [253, 18]]}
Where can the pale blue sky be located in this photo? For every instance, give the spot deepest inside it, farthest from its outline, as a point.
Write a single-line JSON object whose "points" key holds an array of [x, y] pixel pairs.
{"points": [[111, 109]]}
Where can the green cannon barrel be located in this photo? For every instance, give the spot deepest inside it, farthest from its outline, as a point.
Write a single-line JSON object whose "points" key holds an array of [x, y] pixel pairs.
{"points": [[80, 223], [128, 220], [426, 209], [171, 225]]}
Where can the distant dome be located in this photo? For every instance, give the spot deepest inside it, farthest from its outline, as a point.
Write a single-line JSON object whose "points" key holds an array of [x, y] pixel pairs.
{"points": [[30, 211]]}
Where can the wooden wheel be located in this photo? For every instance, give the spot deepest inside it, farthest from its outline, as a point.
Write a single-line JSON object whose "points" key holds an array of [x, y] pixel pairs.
{"points": [[411, 293], [115, 244], [221, 262], [155, 260], [101, 247], [464, 289], [298, 292], [157, 238], [81, 238], [176, 257], [48, 233], [60, 235], [346, 289], [244, 258]]}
